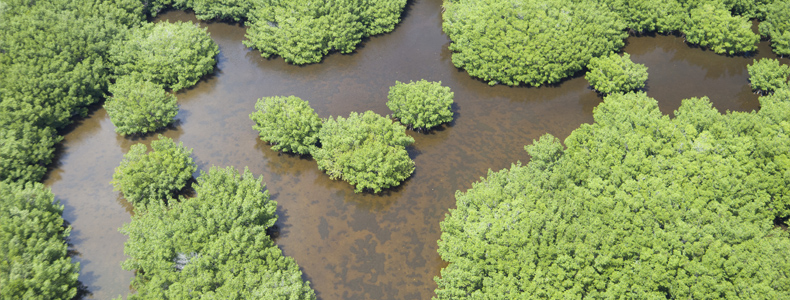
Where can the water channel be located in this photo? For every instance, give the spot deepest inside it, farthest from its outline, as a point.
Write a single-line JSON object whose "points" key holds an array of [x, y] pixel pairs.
{"points": [[360, 246]]}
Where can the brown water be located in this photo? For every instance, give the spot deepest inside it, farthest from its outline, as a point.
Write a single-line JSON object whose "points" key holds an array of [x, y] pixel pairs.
{"points": [[360, 246]]}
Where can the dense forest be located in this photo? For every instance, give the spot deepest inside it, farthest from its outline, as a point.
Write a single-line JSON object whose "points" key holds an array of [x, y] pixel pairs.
{"points": [[637, 204]]}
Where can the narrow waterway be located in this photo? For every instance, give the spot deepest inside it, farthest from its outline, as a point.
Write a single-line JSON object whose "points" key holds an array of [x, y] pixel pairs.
{"points": [[360, 246]]}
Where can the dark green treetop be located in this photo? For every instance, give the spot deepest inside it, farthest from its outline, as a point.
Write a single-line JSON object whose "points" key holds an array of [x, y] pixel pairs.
{"points": [[615, 73], [139, 107], [639, 204], [366, 150], [303, 31], [422, 104], [212, 246], [776, 27], [529, 41], [147, 179], [768, 75], [288, 123], [34, 264], [175, 55]]}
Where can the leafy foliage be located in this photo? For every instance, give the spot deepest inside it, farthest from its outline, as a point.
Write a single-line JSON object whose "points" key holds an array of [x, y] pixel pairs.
{"points": [[648, 15], [288, 123], [639, 204], [767, 75], [615, 73], [714, 27], [212, 246], [25, 151], [140, 106], [34, 261], [421, 104], [366, 150], [776, 26], [303, 31], [235, 10], [529, 41], [149, 178], [175, 55]]}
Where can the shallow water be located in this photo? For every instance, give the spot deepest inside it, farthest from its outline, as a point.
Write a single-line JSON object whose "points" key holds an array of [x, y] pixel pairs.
{"points": [[360, 246]]}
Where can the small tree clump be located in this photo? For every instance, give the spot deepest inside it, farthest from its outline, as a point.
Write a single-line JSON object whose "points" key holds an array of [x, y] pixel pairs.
{"points": [[716, 28], [365, 150], [147, 178], [288, 123], [615, 73], [422, 104], [767, 75], [175, 55], [138, 106]]}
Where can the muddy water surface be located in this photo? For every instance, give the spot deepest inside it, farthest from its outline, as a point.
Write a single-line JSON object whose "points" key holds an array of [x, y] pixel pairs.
{"points": [[360, 246]]}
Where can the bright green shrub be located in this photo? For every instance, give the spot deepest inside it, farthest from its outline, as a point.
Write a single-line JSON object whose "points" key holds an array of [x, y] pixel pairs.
{"points": [[714, 27], [235, 10], [422, 104], [529, 41], [139, 106], [175, 55], [776, 27], [35, 262], [767, 75], [643, 16], [639, 204], [146, 179], [212, 246], [615, 73], [365, 150], [302, 31], [288, 123]]}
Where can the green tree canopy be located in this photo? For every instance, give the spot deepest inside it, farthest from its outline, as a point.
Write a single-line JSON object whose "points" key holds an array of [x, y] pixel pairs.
{"points": [[365, 150], [149, 178], [638, 205], [643, 16], [303, 31], [421, 104], [138, 106], [25, 151], [615, 73], [212, 246], [776, 27], [714, 27], [529, 41], [34, 264], [288, 123], [175, 55], [768, 75]]}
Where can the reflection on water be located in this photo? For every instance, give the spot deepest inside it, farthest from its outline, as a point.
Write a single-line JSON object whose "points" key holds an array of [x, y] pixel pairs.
{"points": [[360, 246]]}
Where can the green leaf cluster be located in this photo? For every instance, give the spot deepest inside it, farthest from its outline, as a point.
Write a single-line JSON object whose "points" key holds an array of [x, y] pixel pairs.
{"points": [[768, 75], [175, 55], [288, 123], [776, 27], [643, 16], [234, 10], [25, 151], [303, 31], [139, 107], [529, 41], [615, 73], [421, 104], [34, 261], [366, 150], [714, 27], [147, 179], [212, 246], [639, 205]]}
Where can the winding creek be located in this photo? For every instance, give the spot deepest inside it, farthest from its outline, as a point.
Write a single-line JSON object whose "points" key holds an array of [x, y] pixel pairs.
{"points": [[360, 246]]}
